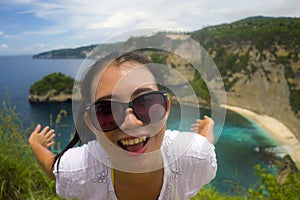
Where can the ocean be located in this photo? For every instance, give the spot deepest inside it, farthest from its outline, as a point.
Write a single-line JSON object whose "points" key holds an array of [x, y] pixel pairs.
{"points": [[236, 147]]}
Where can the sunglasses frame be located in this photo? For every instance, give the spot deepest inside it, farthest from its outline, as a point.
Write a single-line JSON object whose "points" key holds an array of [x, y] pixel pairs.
{"points": [[92, 112]]}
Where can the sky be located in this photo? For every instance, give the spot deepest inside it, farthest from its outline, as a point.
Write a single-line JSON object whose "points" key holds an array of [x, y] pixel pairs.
{"points": [[34, 26]]}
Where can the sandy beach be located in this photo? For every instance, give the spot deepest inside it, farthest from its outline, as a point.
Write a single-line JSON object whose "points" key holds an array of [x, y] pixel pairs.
{"points": [[277, 131]]}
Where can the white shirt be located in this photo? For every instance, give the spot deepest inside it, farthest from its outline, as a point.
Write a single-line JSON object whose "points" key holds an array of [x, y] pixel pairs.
{"points": [[189, 163]]}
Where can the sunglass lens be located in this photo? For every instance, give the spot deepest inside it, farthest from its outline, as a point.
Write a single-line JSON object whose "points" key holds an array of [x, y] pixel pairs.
{"points": [[150, 107], [109, 115]]}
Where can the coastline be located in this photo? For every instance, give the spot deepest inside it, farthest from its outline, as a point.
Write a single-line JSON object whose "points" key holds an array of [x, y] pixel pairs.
{"points": [[276, 130]]}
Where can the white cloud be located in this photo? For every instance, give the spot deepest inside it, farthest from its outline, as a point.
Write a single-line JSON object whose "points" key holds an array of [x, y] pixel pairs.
{"points": [[18, 2], [118, 20], [5, 36], [41, 45], [44, 32], [3, 46], [93, 15], [2, 34]]}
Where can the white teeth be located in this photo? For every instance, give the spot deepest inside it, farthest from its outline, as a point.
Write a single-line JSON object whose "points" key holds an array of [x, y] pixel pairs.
{"points": [[133, 141]]}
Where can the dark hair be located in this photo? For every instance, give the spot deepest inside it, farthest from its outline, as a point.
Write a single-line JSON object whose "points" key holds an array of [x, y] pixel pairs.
{"points": [[117, 58]]}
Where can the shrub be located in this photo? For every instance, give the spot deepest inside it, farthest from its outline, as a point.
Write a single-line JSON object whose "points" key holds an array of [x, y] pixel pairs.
{"points": [[21, 176], [270, 187], [55, 81]]}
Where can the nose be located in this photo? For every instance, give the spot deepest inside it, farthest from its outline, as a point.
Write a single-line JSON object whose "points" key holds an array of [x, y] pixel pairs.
{"points": [[130, 120]]}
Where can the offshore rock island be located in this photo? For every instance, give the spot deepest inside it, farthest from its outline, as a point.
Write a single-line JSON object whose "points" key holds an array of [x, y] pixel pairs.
{"points": [[55, 87]]}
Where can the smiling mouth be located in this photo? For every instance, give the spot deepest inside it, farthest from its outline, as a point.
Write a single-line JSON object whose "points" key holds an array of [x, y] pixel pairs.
{"points": [[134, 144]]}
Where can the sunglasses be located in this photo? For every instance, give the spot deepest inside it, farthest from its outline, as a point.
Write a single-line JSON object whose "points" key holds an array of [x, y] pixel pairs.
{"points": [[107, 115]]}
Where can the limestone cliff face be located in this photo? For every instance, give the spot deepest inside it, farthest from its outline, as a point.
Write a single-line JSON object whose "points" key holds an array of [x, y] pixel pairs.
{"points": [[50, 96], [259, 60], [266, 90]]}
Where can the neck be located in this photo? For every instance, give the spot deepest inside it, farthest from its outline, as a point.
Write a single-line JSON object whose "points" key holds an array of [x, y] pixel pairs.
{"points": [[136, 186], [144, 185], [136, 178]]}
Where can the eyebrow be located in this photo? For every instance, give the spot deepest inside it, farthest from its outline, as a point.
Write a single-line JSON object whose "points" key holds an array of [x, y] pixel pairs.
{"points": [[140, 91], [107, 97]]}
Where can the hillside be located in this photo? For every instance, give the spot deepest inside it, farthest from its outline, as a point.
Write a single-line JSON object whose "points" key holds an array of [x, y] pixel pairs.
{"points": [[258, 58], [80, 52]]}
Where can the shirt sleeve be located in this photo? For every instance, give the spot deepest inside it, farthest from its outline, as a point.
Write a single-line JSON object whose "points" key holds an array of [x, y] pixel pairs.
{"points": [[198, 165], [70, 174], [202, 169]]}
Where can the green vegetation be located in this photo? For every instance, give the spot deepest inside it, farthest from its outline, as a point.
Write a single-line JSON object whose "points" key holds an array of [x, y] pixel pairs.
{"points": [[80, 52], [271, 188], [66, 53], [294, 98], [262, 32], [200, 87], [55, 81], [294, 91], [157, 57], [21, 177], [144, 41]]}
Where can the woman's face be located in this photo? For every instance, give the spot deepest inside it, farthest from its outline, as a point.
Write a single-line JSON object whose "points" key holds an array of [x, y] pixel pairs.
{"points": [[123, 83]]}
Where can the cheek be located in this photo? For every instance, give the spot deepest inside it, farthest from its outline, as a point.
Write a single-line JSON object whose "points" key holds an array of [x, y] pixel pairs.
{"points": [[107, 142], [109, 138]]}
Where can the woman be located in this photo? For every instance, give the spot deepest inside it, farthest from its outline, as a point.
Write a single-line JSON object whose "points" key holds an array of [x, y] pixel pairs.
{"points": [[134, 156]]}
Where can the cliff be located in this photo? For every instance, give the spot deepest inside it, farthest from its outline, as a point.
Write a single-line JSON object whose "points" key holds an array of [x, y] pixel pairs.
{"points": [[50, 97], [267, 90], [259, 59]]}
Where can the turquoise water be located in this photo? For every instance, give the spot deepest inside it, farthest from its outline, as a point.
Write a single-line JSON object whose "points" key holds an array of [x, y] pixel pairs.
{"points": [[235, 147]]}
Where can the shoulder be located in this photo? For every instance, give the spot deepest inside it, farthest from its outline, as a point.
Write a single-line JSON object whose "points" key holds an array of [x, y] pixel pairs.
{"points": [[188, 148], [191, 161], [78, 158], [188, 143], [80, 173]]}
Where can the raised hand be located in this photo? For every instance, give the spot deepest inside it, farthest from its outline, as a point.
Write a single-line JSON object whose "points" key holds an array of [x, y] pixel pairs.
{"points": [[43, 137], [205, 128]]}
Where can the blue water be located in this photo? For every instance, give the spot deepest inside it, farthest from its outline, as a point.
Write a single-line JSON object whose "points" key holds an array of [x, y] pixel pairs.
{"points": [[235, 154]]}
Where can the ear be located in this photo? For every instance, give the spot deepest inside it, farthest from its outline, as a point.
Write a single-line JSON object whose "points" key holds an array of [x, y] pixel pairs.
{"points": [[89, 124]]}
